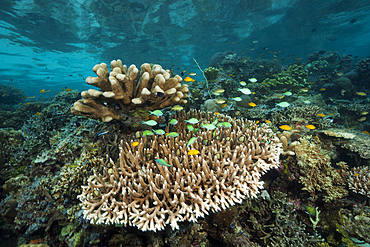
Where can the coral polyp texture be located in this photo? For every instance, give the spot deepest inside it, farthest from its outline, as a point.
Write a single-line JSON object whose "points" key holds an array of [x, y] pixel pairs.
{"points": [[359, 180], [159, 182], [126, 89]]}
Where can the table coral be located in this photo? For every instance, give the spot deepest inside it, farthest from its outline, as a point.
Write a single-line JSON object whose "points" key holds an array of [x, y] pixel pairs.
{"points": [[125, 90], [140, 192]]}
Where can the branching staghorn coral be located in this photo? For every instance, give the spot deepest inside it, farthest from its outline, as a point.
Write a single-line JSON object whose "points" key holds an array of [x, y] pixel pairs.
{"points": [[141, 192], [126, 89]]}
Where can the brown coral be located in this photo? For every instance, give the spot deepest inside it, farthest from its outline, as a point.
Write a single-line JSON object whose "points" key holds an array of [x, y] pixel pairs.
{"points": [[141, 192], [317, 174], [125, 89]]}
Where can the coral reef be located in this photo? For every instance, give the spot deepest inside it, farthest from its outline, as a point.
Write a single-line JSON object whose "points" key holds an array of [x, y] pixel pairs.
{"points": [[211, 74], [210, 105], [299, 116], [357, 222], [128, 89], [359, 180], [363, 69], [353, 141], [150, 193], [10, 95], [293, 78], [317, 174]]}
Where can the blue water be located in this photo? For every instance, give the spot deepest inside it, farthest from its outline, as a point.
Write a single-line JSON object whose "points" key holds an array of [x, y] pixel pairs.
{"points": [[54, 44]]}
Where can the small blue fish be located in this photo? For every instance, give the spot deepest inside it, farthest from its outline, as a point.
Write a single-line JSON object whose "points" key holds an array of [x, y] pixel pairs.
{"points": [[215, 122], [150, 123], [162, 162], [190, 127], [103, 133], [173, 134], [147, 133], [283, 104], [159, 132], [191, 141], [173, 121], [192, 121], [226, 124], [208, 126], [156, 113]]}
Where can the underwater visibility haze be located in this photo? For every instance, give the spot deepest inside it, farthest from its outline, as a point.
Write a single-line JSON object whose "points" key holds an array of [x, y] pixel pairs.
{"points": [[184, 123]]}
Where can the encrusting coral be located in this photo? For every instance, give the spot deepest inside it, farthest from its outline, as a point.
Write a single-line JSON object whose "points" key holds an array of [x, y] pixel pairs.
{"points": [[125, 89], [141, 192]]}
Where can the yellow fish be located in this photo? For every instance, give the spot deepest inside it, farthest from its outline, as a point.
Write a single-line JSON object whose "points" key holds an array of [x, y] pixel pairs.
{"points": [[366, 132], [267, 121], [310, 210], [362, 119], [252, 104], [189, 79], [321, 115], [134, 144], [38, 113], [310, 126], [285, 127], [68, 89], [355, 175], [322, 89], [42, 90], [364, 113], [361, 93], [193, 152], [224, 105], [177, 108], [216, 113]]}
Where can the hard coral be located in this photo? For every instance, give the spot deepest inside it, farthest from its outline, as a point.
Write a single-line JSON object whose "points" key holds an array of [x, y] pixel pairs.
{"points": [[359, 181], [317, 174], [126, 89], [141, 192]]}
